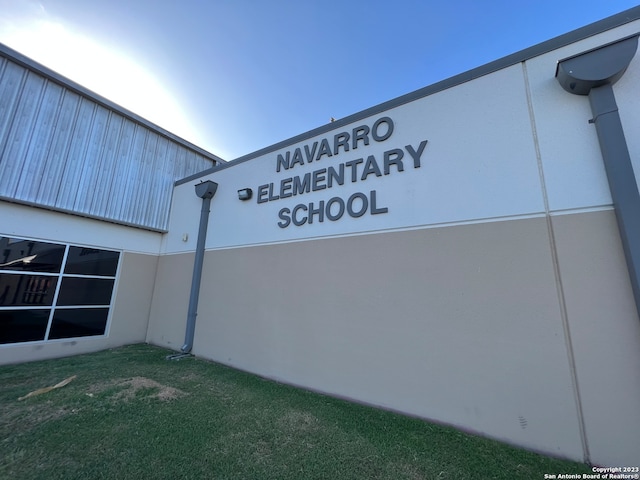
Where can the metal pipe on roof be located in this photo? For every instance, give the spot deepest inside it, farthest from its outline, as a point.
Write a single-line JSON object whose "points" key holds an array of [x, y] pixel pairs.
{"points": [[205, 190]]}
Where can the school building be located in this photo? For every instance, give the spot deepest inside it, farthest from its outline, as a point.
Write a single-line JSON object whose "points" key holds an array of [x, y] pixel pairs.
{"points": [[468, 253]]}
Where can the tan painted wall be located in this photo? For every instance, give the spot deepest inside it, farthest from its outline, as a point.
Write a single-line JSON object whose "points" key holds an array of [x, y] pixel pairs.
{"points": [[461, 324], [128, 323], [171, 300], [133, 299], [605, 333]]}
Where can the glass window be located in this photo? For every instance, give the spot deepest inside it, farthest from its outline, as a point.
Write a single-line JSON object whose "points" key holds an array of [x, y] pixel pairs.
{"points": [[78, 322], [29, 255], [91, 261], [23, 325], [85, 291], [37, 278], [24, 290]]}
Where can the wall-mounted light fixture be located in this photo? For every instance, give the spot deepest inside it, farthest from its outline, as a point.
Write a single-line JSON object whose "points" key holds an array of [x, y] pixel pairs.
{"points": [[245, 193]]}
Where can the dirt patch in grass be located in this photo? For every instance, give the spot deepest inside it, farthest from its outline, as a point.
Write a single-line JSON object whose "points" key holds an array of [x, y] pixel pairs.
{"points": [[138, 387]]}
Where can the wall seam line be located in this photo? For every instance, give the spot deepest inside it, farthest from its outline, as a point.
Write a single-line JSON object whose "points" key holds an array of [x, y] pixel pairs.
{"points": [[556, 270]]}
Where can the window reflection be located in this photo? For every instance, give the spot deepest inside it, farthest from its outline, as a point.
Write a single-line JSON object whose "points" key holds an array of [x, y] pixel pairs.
{"points": [[23, 325], [30, 273], [85, 291], [91, 261], [30, 256], [86, 322], [24, 290]]}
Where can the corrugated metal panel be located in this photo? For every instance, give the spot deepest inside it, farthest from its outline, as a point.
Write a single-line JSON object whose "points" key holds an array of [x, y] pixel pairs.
{"points": [[55, 161], [66, 150]]}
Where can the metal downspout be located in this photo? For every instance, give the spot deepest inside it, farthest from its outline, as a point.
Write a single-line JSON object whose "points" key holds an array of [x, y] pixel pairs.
{"points": [[206, 191], [593, 73], [622, 180]]}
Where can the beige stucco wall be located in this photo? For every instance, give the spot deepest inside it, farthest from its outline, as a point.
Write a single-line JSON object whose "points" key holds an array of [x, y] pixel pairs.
{"points": [[461, 324], [133, 299], [171, 300], [128, 322], [605, 333]]}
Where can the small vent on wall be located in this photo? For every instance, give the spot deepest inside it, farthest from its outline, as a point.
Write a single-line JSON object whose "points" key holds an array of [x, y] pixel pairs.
{"points": [[523, 422]]}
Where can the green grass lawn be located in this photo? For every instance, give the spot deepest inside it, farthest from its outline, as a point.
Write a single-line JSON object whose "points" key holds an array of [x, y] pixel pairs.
{"points": [[131, 414]]}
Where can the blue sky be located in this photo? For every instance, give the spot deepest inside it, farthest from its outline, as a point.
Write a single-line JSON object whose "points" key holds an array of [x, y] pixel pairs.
{"points": [[234, 76]]}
